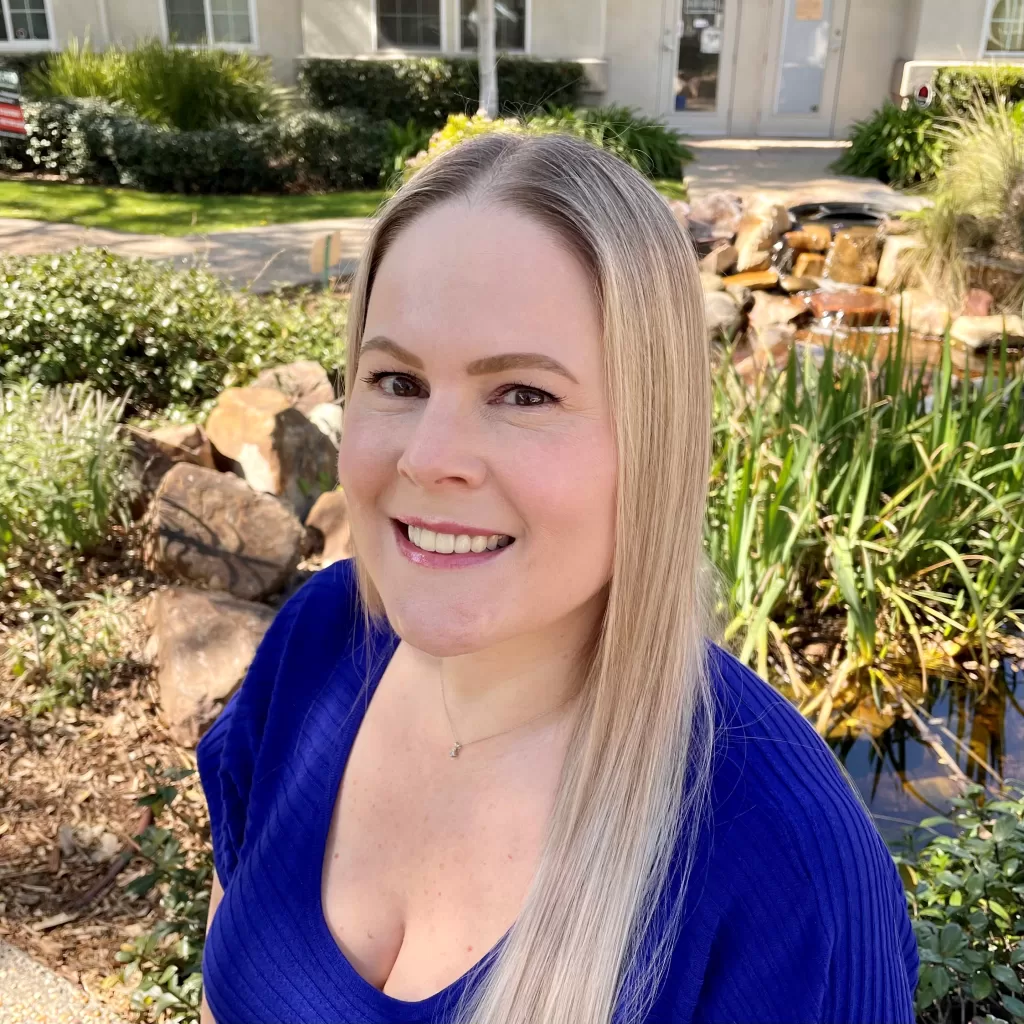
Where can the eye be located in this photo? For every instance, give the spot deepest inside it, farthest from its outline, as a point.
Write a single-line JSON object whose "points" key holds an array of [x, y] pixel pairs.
{"points": [[396, 385], [523, 395]]}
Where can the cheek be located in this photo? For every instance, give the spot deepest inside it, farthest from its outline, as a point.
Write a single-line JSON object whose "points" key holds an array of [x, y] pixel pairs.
{"points": [[365, 462]]}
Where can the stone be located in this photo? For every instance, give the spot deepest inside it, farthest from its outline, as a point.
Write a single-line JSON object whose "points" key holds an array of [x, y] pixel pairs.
{"points": [[328, 419], [213, 528], [719, 260], [202, 643], [722, 312], [809, 264], [798, 284], [810, 238], [775, 309], [757, 232], [152, 453], [741, 293], [977, 303], [711, 282], [305, 383], [329, 516], [863, 307], [981, 331], [894, 267], [853, 258], [273, 445], [720, 211], [921, 311], [754, 279]]}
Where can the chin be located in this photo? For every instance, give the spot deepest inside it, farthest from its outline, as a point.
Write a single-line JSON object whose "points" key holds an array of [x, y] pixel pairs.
{"points": [[444, 627]]}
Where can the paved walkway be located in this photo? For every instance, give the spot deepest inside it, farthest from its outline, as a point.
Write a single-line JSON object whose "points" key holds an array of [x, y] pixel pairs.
{"points": [[33, 994]]}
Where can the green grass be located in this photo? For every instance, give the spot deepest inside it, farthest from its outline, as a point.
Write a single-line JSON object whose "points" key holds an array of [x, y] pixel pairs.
{"points": [[121, 209], [671, 188]]}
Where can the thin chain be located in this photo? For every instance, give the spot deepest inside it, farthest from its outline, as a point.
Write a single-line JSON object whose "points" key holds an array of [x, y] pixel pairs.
{"points": [[454, 752]]}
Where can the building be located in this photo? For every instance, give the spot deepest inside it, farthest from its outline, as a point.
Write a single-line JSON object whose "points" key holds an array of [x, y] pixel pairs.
{"points": [[783, 68]]}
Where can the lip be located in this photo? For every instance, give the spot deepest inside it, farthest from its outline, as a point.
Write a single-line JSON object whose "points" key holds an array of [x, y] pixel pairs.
{"points": [[431, 559], [447, 526]]}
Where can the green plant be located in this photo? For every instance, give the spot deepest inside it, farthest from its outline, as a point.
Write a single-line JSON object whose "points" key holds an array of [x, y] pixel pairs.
{"points": [[165, 964], [191, 89], [169, 337], [405, 141], [965, 895], [896, 145], [957, 88]]}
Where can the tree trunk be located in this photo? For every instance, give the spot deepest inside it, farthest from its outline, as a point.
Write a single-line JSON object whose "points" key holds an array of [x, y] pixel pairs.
{"points": [[487, 58]]}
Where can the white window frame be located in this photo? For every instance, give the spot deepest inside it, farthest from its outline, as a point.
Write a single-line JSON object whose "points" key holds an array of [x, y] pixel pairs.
{"points": [[12, 45], [527, 30], [207, 10], [396, 51], [985, 54]]}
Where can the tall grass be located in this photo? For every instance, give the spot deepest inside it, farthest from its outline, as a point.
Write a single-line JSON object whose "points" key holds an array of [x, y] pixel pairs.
{"points": [[186, 88], [847, 496]]}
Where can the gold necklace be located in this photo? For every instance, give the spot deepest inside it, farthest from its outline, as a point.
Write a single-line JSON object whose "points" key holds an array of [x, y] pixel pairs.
{"points": [[458, 745]]}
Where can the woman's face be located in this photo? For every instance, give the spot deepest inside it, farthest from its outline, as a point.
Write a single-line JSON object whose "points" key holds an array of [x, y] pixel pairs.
{"points": [[480, 420]]}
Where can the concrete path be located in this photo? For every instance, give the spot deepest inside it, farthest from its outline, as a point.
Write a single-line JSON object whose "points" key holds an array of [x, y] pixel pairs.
{"points": [[262, 258], [792, 171], [33, 994]]}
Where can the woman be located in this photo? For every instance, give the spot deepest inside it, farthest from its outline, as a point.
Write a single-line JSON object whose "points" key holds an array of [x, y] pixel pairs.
{"points": [[495, 770]]}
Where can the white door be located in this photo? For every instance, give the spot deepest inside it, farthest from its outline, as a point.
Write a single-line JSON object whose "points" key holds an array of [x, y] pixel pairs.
{"points": [[697, 49], [805, 50]]}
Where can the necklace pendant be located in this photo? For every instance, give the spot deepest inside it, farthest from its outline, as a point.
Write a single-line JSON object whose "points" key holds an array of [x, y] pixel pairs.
{"points": [[454, 752]]}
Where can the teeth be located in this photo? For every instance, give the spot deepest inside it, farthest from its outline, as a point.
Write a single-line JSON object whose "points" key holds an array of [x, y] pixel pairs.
{"points": [[459, 544]]}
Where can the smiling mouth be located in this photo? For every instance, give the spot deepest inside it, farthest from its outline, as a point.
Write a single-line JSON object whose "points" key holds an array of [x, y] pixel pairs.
{"points": [[452, 543]]}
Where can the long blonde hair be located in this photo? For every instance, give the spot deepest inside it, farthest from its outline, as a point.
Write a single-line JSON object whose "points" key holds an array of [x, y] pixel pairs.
{"points": [[591, 939]]}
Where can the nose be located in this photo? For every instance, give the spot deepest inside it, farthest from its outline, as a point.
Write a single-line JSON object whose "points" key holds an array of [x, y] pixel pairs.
{"points": [[444, 447]]}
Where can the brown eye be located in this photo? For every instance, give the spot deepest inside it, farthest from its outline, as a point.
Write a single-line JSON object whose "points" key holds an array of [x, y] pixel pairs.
{"points": [[524, 396], [397, 385]]}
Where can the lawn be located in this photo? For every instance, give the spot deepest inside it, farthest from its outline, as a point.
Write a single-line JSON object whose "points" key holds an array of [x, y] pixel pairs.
{"points": [[122, 209]]}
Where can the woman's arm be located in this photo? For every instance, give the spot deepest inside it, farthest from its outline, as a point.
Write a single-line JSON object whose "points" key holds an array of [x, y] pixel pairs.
{"points": [[205, 1016]]}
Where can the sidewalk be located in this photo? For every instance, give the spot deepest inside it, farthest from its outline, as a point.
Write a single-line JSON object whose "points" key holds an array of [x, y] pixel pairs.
{"points": [[33, 994]]}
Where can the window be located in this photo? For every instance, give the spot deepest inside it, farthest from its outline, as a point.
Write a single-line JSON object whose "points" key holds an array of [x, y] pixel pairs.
{"points": [[209, 21], [24, 21], [413, 24], [1006, 27], [509, 24]]}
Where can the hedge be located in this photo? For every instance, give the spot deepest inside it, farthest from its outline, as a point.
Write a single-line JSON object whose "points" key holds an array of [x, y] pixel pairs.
{"points": [[428, 89], [957, 86], [95, 142]]}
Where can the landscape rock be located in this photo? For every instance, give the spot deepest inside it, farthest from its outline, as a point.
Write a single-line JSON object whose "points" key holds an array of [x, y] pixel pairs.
{"points": [[978, 303], [273, 445], [152, 453], [753, 279], [809, 264], [798, 284], [863, 307], [719, 260], [202, 642], [922, 312], [772, 309], [711, 282], [741, 293], [722, 313], [213, 528], [328, 419], [329, 516], [810, 238], [305, 383], [981, 331], [756, 233], [721, 211], [893, 265], [853, 258]]}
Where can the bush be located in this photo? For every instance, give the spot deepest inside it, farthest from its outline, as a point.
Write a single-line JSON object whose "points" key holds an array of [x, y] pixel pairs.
{"points": [[177, 87], [965, 894], [95, 142], [172, 337], [428, 89], [646, 145], [956, 88], [901, 147]]}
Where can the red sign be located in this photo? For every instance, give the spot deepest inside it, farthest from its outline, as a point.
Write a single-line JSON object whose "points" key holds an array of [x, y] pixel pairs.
{"points": [[924, 97], [12, 120]]}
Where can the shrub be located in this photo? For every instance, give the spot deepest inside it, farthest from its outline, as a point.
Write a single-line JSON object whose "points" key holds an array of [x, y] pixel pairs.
{"points": [[965, 894], [956, 88], [901, 147], [648, 146], [191, 89], [171, 337], [428, 89]]}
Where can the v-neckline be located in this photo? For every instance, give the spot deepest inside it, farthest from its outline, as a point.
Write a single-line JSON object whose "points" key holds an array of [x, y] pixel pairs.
{"points": [[381, 648]]}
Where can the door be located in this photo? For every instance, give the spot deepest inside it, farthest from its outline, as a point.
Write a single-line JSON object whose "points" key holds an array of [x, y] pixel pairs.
{"points": [[697, 64], [805, 51]]}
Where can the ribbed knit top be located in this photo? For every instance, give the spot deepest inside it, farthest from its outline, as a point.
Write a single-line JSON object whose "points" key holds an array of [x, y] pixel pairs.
{"points": [[794, 911]]}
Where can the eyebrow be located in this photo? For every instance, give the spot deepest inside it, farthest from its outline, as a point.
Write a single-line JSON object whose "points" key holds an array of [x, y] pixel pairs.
{"points": [[489, 364]]}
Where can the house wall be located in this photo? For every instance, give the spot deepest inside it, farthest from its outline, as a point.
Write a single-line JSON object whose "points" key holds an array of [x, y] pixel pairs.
{"points": [[337, 28], [947, 30]]}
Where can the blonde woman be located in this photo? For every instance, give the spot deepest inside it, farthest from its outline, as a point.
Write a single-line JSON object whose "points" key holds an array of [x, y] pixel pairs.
{"points": [[495, 770]]}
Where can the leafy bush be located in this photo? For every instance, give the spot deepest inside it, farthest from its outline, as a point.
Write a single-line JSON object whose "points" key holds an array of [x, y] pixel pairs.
{"points": [[191, 89], [957, 88], [901, 147], [965, 894], [171, 337], [645, 144], [428, 89]]}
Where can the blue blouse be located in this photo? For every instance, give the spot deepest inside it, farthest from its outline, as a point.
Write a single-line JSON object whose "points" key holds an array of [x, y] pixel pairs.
{"points": [[794, 912]]}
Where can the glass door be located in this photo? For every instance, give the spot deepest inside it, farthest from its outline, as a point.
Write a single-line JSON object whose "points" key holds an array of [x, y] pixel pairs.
{"points": [[699, 46]]}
